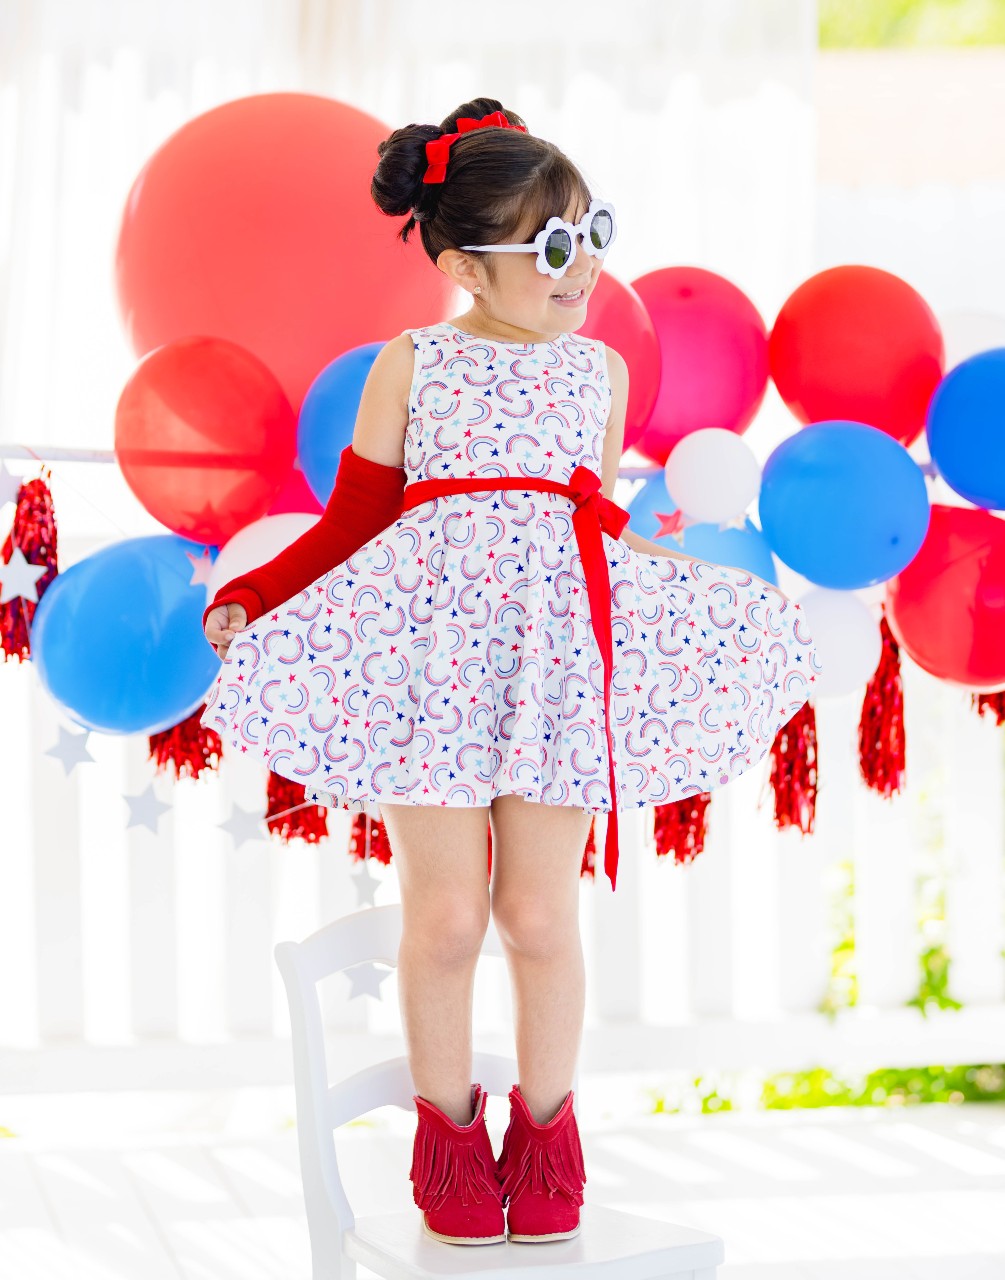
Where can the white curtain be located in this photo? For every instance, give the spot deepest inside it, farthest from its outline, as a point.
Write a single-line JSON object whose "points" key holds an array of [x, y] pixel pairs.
{"points": [[696, 119]]}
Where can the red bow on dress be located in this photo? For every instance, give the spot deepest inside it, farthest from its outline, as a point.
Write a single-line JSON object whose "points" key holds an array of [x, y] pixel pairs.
{"points": [[438, 150]]}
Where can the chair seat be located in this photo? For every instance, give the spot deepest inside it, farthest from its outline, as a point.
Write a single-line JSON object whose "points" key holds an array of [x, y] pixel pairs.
{"points": [[610, 1243]]}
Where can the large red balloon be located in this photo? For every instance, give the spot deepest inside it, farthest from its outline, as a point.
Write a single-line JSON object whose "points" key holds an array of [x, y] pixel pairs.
{"points": [[859, 344], [617, 316], [295, 494], [205, 437], [254, 222], [714, 358], [947, 607]]}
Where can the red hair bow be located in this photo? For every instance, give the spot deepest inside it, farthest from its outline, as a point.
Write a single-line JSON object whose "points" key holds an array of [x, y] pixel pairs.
{"points": [[438, 150]]}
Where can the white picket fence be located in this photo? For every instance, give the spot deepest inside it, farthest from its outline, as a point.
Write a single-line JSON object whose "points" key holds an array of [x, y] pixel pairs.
{"points": [[134, 960]]}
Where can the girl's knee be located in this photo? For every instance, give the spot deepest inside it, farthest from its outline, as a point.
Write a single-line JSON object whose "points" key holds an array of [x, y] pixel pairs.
{"points": [[526, 926], [453, 931]]}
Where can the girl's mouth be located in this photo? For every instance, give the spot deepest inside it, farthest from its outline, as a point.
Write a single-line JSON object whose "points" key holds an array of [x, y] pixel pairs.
{"points": [[568, 300]]}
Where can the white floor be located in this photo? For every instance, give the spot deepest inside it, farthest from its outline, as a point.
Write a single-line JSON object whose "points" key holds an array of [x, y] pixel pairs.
{"points": [[207, 1186]]}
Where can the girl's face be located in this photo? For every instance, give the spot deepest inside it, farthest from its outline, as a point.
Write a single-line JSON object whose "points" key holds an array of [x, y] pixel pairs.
{"points": [[523, 298]]}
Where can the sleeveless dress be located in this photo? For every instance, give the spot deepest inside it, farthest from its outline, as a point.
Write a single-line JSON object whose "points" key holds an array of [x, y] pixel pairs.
{"points": [[452, 657]]}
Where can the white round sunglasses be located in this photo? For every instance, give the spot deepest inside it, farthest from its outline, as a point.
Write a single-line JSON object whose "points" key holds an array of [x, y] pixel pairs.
{"points": [[555, 243]]}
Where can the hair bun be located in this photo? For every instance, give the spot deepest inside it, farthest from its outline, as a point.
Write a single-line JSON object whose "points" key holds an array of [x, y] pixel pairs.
{"points": [[397, 183]]}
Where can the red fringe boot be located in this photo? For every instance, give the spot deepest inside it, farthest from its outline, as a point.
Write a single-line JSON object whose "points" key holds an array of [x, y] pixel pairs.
{"points": [[542, 1173], [453, 1175]]}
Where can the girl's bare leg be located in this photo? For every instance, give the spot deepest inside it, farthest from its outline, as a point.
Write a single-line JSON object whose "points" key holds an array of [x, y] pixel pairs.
{"points": [[441, 855], [537, 855]]}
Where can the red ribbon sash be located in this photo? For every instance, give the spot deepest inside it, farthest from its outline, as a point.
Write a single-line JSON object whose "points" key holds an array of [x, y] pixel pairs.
{"points": [[593, 514]]}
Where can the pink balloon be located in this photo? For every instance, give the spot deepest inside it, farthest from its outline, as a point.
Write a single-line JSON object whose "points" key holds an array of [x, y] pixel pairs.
{"points": [[617, 316], [714, 355]]}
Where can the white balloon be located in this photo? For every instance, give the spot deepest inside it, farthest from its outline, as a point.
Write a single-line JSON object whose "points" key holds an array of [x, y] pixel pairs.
{"points": [[966, 333], [712, 475], [256, 544], [847, 637]]}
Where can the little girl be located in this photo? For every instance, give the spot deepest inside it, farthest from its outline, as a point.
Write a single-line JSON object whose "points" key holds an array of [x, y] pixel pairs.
{"points": [[442, 646]]}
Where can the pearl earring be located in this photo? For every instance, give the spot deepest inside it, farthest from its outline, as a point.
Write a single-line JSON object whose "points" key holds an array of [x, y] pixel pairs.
{"points": [[478, 288]]}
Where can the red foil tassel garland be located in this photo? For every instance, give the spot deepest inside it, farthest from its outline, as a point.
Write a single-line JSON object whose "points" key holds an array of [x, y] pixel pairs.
{"points": [[34, 534], [794, 771], [881, 741], [990, 703], [310, 823], [681, 827], [188, 746]]}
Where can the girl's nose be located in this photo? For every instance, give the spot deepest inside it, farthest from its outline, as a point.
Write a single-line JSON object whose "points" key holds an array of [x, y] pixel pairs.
{"points": [[582, 262]]}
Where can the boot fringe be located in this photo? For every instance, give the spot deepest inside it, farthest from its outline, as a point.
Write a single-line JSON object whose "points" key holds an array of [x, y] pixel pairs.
{"points": [[556, 1163], [442, 1167]]}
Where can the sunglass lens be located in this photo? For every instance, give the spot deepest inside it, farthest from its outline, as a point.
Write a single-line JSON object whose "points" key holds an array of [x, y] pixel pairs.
{"points": [[600, 228], [558, 248]]}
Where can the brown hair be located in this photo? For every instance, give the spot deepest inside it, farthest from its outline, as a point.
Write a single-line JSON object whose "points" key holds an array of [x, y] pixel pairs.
{"points": [[497, 181]]}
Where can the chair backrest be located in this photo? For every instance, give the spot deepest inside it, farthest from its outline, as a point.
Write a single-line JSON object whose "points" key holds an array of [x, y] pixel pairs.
{"points": [[370, 934]]}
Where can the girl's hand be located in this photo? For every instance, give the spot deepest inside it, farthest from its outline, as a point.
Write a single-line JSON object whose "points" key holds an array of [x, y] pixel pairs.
{"points": [[222, 623]]}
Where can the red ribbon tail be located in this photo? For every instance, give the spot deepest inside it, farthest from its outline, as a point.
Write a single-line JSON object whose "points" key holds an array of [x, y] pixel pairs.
{"points": [[586, 522]]}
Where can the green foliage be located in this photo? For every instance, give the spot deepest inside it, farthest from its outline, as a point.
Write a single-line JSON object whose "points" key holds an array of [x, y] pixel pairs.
{"points": [[842, 988], [890, 1086], [702, 1094], [820, 1087], [883, 24], [934, 985]]}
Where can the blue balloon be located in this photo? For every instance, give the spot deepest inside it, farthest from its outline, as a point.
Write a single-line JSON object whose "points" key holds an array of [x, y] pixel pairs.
{"points": [[844, 504], [117, 639], [744, 548], [966, 429], [328, 416]]}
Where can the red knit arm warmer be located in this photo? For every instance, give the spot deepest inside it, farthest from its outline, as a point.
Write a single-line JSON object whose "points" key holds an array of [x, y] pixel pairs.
{"points": [[367, 497]]}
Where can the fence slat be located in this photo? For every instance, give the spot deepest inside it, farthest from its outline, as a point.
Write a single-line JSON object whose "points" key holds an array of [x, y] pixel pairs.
{"points": [[58, 950], [975, 846], [709, 891]]}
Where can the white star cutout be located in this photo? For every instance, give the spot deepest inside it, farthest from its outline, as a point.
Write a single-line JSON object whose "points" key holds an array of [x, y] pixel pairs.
{"points": [[71, 749], [366, 884], [202, 567], [365, 980], [9, 485], [18, 578], [243, 824], [145, 809]]}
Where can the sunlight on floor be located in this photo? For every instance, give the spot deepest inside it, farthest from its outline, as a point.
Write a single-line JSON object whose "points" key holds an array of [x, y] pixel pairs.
{"points": [[207, 1186]]}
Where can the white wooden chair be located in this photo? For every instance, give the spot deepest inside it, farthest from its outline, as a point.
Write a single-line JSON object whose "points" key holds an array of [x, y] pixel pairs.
{"points": [[611, 1245]]}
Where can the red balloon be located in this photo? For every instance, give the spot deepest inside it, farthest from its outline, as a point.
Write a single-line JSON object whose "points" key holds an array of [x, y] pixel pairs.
{"points": [[859, 344], [617, 316], [254, 222], [947, 607], [204, 436], [713, 347], [295, 494]]}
